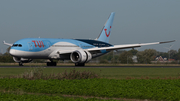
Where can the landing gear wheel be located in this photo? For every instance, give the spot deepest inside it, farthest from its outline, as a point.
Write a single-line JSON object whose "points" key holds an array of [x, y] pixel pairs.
{"points": [[79, 64], [20, 64], [51, 63]]}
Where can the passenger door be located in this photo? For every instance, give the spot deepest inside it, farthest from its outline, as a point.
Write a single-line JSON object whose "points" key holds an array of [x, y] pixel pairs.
{"points": [[30, 45]]}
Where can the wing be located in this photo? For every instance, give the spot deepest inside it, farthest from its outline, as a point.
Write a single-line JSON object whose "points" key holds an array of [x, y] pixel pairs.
{"points": [[115, 47], [7, 43]]}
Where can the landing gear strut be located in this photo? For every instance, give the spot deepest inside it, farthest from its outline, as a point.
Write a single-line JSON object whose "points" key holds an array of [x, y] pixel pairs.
{"points": [[20, 64], [79, 64]]}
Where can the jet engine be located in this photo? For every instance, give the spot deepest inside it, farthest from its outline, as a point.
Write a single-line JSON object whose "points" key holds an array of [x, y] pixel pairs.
{"points": [[80, 56], [23, 60]]}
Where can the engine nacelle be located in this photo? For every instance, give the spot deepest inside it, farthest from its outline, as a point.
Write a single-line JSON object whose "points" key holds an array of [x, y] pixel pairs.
{"points": [[80, 56], [23, 60]]}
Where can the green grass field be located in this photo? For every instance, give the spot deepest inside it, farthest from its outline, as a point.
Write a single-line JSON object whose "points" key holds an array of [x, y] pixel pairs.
{"points": [[132, 90], [111, 73]]}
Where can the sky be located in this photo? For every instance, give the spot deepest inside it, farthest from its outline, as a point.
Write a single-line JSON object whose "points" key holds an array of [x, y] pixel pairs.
{"points": [[136, 21]]}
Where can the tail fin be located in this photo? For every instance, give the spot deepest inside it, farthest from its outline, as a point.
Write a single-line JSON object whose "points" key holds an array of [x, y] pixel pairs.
{"points": [[105, 33]]}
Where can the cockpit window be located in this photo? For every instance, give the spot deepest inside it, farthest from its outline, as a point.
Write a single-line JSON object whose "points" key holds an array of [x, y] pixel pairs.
{"points": [[17, 45], [20, 45]]}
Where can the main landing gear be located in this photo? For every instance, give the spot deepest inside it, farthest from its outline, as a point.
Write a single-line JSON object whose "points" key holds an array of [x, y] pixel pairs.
{"points": [[51, 63], [79, 64], [20, 64]]}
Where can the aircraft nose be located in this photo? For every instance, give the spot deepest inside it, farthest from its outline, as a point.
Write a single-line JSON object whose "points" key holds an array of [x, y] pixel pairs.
{"points": [[12, 52]]}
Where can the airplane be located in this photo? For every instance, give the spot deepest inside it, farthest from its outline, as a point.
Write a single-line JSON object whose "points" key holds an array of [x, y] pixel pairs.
{"points": [[79, 51]]}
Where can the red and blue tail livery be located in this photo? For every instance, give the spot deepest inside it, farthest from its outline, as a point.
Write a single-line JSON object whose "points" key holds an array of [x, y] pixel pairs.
{"points": [[106, 31], [79, 51]]}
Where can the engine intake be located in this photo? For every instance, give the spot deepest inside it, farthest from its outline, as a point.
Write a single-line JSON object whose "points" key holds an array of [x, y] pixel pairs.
{"points": [[80, 56]]}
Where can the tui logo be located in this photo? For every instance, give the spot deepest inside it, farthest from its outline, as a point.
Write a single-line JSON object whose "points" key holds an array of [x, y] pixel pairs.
{"points": [[106, 32], [38, 43]]}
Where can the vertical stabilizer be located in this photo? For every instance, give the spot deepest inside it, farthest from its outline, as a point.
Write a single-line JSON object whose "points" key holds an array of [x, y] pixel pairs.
{"points": [[106, 31]]}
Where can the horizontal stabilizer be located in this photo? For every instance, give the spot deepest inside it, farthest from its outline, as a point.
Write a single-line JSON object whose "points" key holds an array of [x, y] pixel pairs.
{"points": [[7, 43]]}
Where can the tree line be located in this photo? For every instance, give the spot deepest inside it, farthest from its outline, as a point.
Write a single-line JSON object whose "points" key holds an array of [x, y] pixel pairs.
{"points": [[142, 57], [6, 57]]}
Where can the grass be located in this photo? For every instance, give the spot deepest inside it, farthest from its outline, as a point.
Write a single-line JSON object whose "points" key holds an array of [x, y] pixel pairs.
{"points": [[153, 89], [42, 97], [111, 73], [129, 86]]}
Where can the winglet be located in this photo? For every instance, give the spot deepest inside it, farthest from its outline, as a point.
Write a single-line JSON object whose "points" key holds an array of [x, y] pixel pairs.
{"points": [[167, 41], [7, 43]]}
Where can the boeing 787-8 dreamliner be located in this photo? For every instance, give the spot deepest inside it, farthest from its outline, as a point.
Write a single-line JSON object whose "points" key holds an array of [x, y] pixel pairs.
{"points": [[79, 51]]}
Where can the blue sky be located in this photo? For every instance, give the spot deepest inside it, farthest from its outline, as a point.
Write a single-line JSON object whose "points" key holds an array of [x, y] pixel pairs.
{"points": [[136, 21]]}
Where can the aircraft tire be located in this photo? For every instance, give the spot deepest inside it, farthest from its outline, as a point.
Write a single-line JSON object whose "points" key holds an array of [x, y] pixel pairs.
{"points": [[79, 64], [51, 63], [20, 64]]}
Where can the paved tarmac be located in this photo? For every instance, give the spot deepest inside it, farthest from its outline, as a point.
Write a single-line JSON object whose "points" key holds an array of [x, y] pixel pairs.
{"points": [[92, 66]]}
